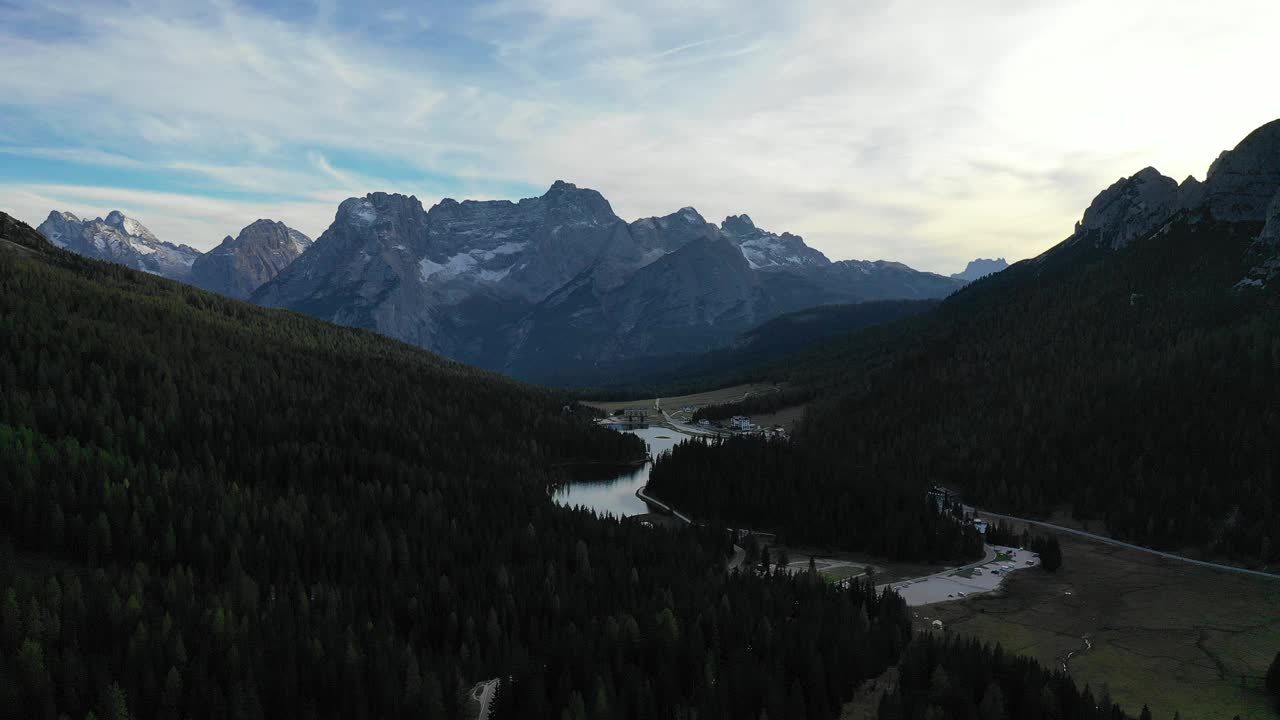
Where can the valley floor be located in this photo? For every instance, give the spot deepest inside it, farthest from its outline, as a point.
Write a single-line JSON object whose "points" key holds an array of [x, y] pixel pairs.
{"points": [[1178, 637], [676, 406]]}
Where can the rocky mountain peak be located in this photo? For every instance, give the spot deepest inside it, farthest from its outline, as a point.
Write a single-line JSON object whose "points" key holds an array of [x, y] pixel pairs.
{"points": [[769, 251], [737, 225], [120, 239], [1130, 208], [242, 264], [567, 202], [1242, 182], [657, 235], [980, 268], [129, 226]]}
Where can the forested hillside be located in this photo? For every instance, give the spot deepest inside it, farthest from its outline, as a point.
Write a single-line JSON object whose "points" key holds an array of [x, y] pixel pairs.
{"points": [[806, 499], [1140, 386], [211, 510]]}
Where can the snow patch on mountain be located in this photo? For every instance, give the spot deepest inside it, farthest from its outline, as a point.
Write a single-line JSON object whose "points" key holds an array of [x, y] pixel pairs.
{"points": [[764, 250], [469, 264]]}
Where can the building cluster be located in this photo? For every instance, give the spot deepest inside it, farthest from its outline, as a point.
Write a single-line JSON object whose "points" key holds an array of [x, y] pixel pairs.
{"points": [[947, 501]]}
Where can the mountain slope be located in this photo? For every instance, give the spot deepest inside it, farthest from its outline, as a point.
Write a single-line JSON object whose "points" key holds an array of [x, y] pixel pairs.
{"points": [[1125, 374], [745, 358], [240, 265]]}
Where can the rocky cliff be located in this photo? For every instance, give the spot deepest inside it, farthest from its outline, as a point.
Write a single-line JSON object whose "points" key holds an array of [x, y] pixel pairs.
{"points": [[242, 264]]}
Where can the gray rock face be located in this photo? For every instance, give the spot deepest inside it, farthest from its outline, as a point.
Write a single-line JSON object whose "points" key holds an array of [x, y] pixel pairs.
{"points": [[241, 265], [768, 251], [119, 239], [1242, 182], [1267, 248], [672, 232], [559, 280], [1130, 208], [980, 268], [862, 280], [1271, 231]]}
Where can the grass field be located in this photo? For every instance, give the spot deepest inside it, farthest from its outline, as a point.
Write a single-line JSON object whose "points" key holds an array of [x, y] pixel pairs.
{"points": [[843, 572], [787, 418], [1176, 637], [673, 405]]}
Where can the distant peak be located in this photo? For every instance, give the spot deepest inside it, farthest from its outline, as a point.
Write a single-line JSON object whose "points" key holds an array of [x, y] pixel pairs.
{"points": [[690, 215], [115, 217], [981, 267], [561, 185], [738, 224]]}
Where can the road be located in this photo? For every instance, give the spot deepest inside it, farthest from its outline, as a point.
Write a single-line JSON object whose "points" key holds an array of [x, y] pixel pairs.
{"points": [[739, 553], [1130, 546], [682, 427]]}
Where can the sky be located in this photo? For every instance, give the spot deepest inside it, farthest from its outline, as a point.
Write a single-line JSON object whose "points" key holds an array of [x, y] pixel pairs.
{"points": [[928, 132]]}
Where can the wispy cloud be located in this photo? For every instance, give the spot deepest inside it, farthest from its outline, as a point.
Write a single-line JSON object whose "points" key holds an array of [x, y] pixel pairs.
{"points": [[83, 156], [921, 131]]}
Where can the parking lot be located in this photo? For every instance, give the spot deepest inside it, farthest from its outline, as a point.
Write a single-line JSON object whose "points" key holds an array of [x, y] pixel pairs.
{"points": [[959, 584]]}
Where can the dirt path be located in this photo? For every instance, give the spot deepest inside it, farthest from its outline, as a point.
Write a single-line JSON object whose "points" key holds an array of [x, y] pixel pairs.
{"points": [[482, 694]]}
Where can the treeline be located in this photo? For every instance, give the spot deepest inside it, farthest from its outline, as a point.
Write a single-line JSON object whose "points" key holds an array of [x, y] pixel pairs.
{"points": [[964, 679], [764, 404], [778, 486], [210, 510], [1046, 546]]}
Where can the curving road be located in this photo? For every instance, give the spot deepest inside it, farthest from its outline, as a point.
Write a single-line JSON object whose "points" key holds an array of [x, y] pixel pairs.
{"points": [[1129, 546], [680, 426]]}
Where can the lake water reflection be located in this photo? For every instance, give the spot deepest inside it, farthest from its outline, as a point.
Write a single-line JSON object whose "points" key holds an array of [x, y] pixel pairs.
{"points": [[616, 494]]}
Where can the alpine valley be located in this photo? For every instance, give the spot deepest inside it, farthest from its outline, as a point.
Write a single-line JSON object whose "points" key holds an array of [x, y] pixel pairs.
{"points": [[534, 289]]}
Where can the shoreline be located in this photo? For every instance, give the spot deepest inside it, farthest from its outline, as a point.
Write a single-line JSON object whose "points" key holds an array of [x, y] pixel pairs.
{"points": [[640, 493]]}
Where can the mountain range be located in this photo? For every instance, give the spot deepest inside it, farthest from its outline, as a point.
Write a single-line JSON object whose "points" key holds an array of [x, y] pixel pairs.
{"points": [[122, 240], [534, 288], [980, 268]]}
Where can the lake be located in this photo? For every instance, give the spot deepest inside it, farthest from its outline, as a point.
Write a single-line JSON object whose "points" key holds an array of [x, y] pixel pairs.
{"points": [[616, 495]]}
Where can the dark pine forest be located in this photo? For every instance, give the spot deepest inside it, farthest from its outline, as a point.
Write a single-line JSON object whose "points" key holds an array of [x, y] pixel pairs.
{"points": [[210, 510]]}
